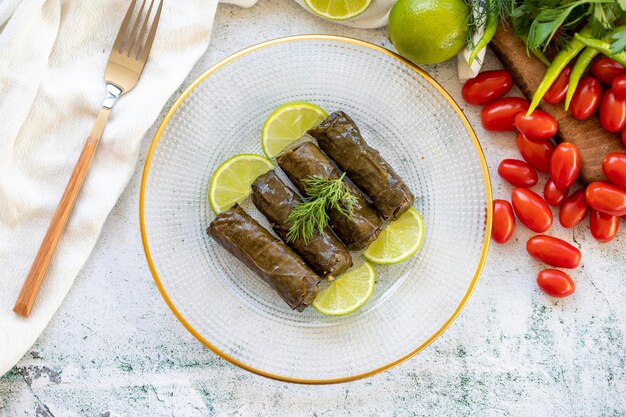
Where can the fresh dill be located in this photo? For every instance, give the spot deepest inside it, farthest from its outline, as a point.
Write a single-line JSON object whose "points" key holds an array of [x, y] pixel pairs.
{"points": [[543, 24], [479, 12], [312, 214]]}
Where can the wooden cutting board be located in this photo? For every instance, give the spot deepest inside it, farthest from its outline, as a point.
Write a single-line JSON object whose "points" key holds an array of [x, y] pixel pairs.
{"points": [[592, 140]]}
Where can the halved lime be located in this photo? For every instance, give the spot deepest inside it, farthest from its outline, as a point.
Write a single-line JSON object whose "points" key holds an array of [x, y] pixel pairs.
{"points": [[401, 239], [338, 9], [348, 292], [231, 182], [288, 123]]}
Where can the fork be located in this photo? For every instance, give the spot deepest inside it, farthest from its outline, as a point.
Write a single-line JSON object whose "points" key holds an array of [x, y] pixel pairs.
{"points": [[124, 67]]}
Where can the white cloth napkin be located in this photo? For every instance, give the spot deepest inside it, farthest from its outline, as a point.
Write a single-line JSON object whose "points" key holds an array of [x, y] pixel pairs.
{"points": [[52, 58]]}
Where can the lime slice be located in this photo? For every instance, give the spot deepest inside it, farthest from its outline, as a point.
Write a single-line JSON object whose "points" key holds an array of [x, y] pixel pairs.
{"points": [[338, 9], [400, 240], [231, 182], [287, 124], [348, 292]]}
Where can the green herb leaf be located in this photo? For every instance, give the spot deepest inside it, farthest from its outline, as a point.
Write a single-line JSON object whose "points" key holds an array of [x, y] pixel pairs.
{"points": [[306, 218], [480, 10], [545, 23], [311, 214], [619, 41]]}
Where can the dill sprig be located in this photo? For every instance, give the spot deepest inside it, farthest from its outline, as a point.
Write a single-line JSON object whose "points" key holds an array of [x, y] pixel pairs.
{"points": [[335, 192], [306, 218], [312, 213], [479, 11]]}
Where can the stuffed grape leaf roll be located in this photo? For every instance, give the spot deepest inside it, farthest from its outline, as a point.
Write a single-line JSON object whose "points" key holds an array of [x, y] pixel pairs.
{"points": [[266, 255], [323, 252], [339, 137], [305, 160]]}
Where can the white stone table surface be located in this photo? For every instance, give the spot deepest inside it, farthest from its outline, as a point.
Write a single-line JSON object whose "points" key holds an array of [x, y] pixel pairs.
{"points": [[115, 349]]}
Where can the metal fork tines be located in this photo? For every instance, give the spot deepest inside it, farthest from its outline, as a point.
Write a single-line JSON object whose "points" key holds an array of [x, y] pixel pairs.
{"points": [[130, 50]]}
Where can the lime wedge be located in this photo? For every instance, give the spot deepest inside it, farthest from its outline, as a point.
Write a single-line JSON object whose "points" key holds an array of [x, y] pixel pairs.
{"points": [[399, 241], [231, 182], [288, 123], [338, 9], [348, 292]]}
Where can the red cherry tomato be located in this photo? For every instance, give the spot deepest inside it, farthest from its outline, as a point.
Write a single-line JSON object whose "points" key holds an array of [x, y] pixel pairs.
{"points": [[612, 112], [499, 116], [607, 198], [565, 165], [586, 98], [531, 209], [553, 251], [574, 209], [605, 69], [614, 167], [503, 223], [487, 87], [619, 86], [553, 195], [558, 89], [555, 283], [536, 154], [603, 226], [518, 173], [537, 127]]}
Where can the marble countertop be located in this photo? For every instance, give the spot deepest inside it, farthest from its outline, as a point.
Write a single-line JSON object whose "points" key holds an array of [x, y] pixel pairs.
{"points": [[114, 348]]}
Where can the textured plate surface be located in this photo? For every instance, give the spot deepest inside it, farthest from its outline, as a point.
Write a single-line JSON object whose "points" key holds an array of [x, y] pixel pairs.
{"points": [[403, 113]]}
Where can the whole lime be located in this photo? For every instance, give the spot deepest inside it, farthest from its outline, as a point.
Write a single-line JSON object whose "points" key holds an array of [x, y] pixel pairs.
{"points": [[428, 31]]}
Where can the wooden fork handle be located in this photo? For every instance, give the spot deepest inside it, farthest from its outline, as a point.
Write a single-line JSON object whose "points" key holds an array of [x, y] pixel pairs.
{"points": [[37, 273]]}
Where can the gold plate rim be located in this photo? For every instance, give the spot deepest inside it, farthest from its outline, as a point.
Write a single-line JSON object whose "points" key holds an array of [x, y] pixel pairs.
{"points": [[297, 38]]}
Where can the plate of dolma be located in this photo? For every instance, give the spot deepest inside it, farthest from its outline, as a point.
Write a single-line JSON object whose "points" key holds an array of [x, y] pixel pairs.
{"points": [[234, 281]]}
